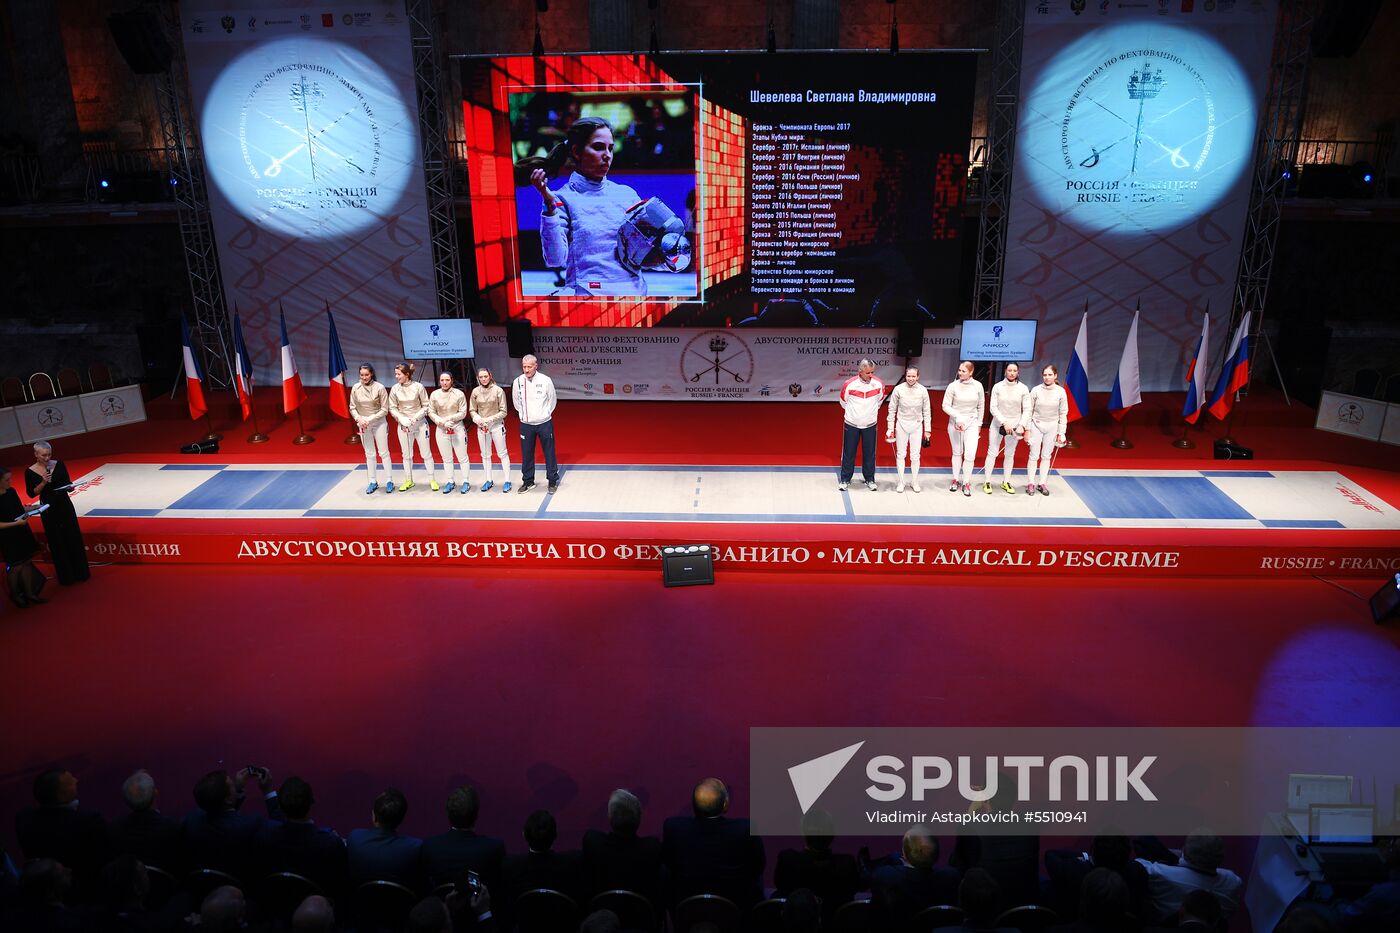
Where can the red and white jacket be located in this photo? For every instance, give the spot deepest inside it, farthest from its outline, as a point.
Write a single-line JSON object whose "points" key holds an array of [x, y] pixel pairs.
{"points": [[861, 401]]}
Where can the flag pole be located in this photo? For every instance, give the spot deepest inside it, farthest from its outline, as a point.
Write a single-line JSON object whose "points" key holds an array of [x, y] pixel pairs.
{"points": [[209, 423], [354, 436], [1121, 441], [302, 437], [1183, 442], [257, 437], [1229, 426]]}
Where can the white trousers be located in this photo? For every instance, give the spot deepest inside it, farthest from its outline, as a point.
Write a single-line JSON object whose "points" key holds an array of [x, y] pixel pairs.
{"points": [[416, 429], [484, 440], [908, 437], [964, 444], [994, 445], [376, 436], [453, 448], [1040, 438]]}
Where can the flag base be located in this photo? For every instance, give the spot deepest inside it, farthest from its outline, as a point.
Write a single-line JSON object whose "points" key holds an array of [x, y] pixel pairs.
{"points": [[1122, 443], [257, 438], [1071, 443], [352, 439], [213, 436], [303, 439], [1184, 443]]}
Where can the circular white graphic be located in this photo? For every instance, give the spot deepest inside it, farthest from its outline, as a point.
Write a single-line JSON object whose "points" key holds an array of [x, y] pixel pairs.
{"points": [[717, 358]]}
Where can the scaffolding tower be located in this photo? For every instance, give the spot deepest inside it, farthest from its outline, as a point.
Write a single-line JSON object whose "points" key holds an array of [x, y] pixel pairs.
{"points": [[1002, 99]]}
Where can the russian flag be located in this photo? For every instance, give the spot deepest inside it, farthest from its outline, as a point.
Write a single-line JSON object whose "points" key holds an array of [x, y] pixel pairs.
{"points": [[338, 401], [194, 375], [292, 392], [242, 368], [1127, 386], [1235, 374], [1077, 375], [1196, 377]]}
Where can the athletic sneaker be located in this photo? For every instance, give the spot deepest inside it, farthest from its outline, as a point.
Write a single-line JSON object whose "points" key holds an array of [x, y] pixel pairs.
{"points": [[916, 488], [987, 488], [967, 489], [526, 486], [899, 488], [870, 484], [506, 487], [466, 487], [389, 486], [1009, 489], [552, 487], [484, 486], [408, 485], [1044, 491], [1030, 489], [954, 487], [451, 486], [371, 488], [433, 485], [843, 486]]}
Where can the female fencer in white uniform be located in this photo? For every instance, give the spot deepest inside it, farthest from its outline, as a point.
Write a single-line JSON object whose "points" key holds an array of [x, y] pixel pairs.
{"points": [[369, 404], [488, 411], [962, 403], [447, 408], [909, 426], [1049, 408], [408, 404], [1010, 411]]}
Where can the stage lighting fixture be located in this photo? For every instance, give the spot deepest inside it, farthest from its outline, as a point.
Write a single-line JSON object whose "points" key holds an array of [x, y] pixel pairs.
{"points": [[104, 183], [687, 565]]}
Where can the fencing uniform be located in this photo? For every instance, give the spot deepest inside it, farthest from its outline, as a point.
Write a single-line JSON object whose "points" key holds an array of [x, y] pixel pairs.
{"points": [[488, 413], [962, 403], [910, 419], [580, 237], [409, 406], [448, 410], [1010, 407], [1048, 407], [370, 406], [534, 401]]}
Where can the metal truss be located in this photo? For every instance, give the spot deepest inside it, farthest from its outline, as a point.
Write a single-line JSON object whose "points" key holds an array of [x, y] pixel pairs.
{"points": [[1002, 100], [433, 130]]}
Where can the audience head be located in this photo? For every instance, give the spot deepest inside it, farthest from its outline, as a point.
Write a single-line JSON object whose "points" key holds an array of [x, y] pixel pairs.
{"points": [[44, 881], [978, 897], [314, 915], [390, 808], [139, 791], [296, 798], [56, 787], [430, 916], [463, 805], [710, 798], [1112, 852], [540, 831], [1204, 850], [818, 830], [624, 813], [1202, 907], [223, 910], [214, 792], [920, 847], [802, 912], [1103, 897], [124, 882], [601, 921]]}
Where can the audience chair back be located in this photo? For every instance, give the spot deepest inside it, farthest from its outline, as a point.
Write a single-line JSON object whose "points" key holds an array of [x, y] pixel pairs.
{"points": [[767, 916], [544, 910], [12, 391], [1392, 388], [855, 917], [41, 386], [1366, 382], [164, 885], [445, 889], [100, 377], [382, 905], [203, 880], [69, 382], [937, 917], [1028, 919], [708, 908], [281, 893], [634, 910]]}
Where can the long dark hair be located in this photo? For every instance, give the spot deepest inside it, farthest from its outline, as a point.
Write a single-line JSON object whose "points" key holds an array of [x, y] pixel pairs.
{"points": [[575, 138]]}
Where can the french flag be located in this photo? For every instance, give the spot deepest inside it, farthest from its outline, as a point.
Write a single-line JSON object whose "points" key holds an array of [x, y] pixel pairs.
{"points": [[242, 368], [1077, 375], [292, 392], [1235, 374], [1196, 377], [194, 375], [1127, 387], [338, 401]]}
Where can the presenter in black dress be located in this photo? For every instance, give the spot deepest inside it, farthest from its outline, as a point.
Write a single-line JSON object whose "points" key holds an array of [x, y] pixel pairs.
{"points": [[17, 546], [48, 479]]}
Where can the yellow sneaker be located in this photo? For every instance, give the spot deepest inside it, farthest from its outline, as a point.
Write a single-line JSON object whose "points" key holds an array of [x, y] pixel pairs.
{"points": [[433, 485], [408, 485]]}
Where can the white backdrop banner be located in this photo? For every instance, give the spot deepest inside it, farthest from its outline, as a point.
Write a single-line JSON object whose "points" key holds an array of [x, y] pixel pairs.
{"points": [[715, 365], [109, 408], [1351, 414], [9, 429], [1134, 157], [55, 417], [309, 129]]}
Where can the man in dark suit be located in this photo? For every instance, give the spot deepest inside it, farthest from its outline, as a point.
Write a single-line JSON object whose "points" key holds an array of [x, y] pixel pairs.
{"points": [[56, 828], [709, 853], [380, 853], [620, 859], [541, 866], [297, 845], [143, 831], [903, 885], [980, 899], [460, 849], [218, 836], [1067, 869], [833, 878]]}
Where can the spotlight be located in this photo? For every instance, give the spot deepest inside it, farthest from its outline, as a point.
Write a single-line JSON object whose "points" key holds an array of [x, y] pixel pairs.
{"points": [[174, 180], [104, 183]]}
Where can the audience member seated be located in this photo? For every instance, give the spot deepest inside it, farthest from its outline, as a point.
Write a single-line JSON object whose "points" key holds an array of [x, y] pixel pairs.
{"points": [[1199, 869], [40, 904], [314, 915], [1103, 905], [902, 885], [123, 885], [143, 831], [1014, 861], [981, 901], [380, 853], [833, 878], [296, 844], [1199, 913], [430, 916], [802, 912], [56, 828], [217, 835], [709, 853], [601, 921], [447, 855], [1068, 868], [541, 866], [1379, 908], [223, 911], [620, 859]]}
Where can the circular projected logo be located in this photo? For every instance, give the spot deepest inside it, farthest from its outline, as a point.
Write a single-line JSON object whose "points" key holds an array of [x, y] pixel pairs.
{"points": [[1139, 127], [308, 138]]}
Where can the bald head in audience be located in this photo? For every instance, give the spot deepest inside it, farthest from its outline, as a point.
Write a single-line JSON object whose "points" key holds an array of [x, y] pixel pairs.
{"points": [[223, 910], [710, 798], [920, 848], [139, 791], [314, 915], [430, 915]]}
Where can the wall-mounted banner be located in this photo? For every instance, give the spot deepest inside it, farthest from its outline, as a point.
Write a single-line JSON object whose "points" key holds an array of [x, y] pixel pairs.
{"points": [[309, 129], [9, 429], [714, 364], [55, 417], [1134, 157], [109, 408]]}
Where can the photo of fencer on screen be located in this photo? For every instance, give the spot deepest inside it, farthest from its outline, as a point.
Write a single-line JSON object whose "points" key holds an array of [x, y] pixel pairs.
{"points": [[605, 183]]}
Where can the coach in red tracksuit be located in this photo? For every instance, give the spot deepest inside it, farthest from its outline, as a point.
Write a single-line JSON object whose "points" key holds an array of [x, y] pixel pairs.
{"points": [[860, 399]]}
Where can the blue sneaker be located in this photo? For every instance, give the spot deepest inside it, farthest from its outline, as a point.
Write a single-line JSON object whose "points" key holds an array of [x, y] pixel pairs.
{"points": [[389, 486], [487, 485], [447, 488], [506, 487], [466, 486], [371, 488]]}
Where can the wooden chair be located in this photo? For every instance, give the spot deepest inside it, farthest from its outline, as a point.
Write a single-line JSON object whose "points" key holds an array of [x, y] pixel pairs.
{"points": [[100, 377], [634, 910], [939, 915], [545, 910], [69, 382], [708, 908], [767, 916], [41, 386], [1028, 918], [12, 391], [203, 880], [281, 893], [382, 905], [855, 917]]}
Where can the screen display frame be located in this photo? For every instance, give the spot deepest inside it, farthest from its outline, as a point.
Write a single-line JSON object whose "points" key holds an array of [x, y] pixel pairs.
{"points": [[454, 341], [981, 343]]}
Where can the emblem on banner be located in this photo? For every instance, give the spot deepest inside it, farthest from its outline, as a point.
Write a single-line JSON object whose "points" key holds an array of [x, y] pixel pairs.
{"points": [[228, 22], [348, 20], [49, 418], [795, 389], [727, 364], [1351, 413], [112, 406], [1077, 6]]}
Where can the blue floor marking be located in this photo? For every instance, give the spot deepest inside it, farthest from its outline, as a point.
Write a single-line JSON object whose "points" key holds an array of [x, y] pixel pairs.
{"points": [[228, 489], [124, 513], [1300, 523], [1118, 497], [296, 489], [194, 466], [1238, 474], [1192, 497], [814, 519]]}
